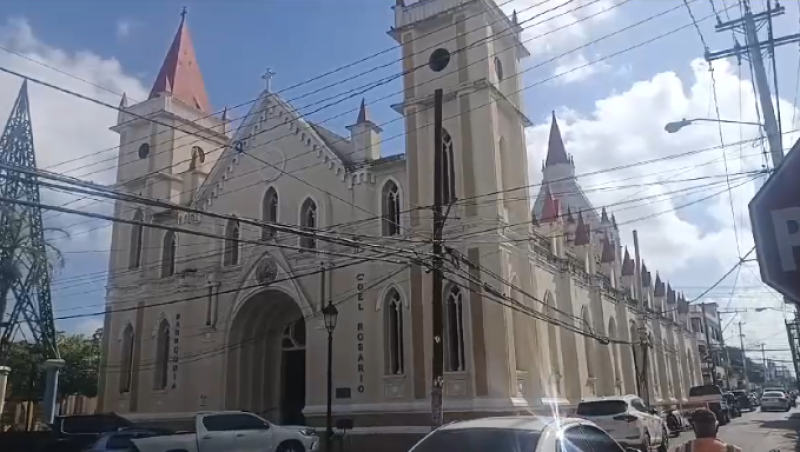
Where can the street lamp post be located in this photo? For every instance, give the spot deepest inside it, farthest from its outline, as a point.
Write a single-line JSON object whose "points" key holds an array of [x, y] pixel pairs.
{"points": [[675, 126], [330, 314]]}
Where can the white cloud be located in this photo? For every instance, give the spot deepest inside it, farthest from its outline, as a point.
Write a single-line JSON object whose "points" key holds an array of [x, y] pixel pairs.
{"points": [[124, 28], [576, 68], [696, 244], [554, 27], [66, 127]]}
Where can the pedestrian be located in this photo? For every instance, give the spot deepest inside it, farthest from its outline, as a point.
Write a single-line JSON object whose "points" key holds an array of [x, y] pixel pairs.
{"points": [[705, 426]]}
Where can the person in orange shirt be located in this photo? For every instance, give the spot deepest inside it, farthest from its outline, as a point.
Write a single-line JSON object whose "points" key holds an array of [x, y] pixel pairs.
{"points": [[705, 431]]}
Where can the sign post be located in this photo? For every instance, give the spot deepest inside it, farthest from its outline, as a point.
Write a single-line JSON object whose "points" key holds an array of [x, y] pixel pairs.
{"points": [[775, 219]]}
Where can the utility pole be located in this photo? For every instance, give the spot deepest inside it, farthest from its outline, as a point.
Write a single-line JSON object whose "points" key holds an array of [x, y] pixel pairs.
{"points": [[643, 372], [793, 331], [764, 363], [727, 353], [744, 358], [437, 367], [709, 356], [748, 25]]}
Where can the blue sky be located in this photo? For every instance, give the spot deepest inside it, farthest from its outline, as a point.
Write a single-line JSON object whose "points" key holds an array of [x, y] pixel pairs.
{"points": [[611, 114]]}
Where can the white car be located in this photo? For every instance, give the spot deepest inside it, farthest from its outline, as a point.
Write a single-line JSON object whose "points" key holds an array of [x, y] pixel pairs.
{"points": [[628, 420], [232, 431], [520, 433], [775, 400]]}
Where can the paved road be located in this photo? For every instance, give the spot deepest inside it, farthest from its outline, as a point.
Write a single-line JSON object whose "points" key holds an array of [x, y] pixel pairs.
{"points": [[758, 432]]}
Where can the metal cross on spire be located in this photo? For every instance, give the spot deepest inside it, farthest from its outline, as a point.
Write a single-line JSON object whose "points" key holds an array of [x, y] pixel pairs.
{"points": [[267, 77], [184, 12]]}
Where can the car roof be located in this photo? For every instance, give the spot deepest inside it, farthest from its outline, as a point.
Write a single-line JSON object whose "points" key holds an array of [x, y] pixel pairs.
{"points": [[536, 423], [622, 398]]}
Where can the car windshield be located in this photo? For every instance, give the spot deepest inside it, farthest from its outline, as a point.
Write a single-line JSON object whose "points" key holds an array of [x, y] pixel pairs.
{"points": [[601, 408], [772, 395], [479, 440]]}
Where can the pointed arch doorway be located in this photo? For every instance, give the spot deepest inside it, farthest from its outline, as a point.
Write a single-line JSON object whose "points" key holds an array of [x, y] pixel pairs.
{"points": [[266, 364]]}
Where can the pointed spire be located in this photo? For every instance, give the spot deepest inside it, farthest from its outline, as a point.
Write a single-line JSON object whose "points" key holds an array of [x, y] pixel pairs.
{"points": [[608, 254], [180, 73], [556, 152], [570, 218], [670, 295], [534, 221], [646, 279], [550, 211], [225, 114], [123, 103], [614, 222], [362, 113], [658, 287], [514, 19], [582, 236], [627, 264], [604, 217]]}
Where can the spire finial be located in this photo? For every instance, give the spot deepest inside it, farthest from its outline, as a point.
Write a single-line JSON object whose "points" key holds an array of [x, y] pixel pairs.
{"points": [[362, 112], [184, 12], [267, 77]]}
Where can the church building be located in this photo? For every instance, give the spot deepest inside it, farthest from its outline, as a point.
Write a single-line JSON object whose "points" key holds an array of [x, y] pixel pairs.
{"points": [[230, 317]]}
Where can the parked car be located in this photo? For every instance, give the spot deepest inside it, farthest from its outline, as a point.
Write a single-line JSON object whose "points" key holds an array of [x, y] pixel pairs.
{"points": [[709, 396], [232, 431], [775, 401], [627, 419], [743, 400], [120, 441], [522, 433], [733, 404]]}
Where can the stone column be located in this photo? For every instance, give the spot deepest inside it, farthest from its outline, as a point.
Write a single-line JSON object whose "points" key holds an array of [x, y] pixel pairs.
{"points": [[4, 371], [51, 367]]}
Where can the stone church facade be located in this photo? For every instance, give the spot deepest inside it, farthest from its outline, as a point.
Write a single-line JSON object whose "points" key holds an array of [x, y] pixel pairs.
{"points": [[230, 319]]}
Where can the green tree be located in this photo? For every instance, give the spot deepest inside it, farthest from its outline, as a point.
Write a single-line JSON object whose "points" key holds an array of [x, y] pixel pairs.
{"points": [[81, 355]]}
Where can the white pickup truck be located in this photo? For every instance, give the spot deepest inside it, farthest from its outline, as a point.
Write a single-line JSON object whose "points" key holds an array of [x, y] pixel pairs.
{"points": [[233, 431]]}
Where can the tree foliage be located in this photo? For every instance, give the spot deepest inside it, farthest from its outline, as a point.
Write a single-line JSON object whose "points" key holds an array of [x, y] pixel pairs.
{"points": [[79, 376]]}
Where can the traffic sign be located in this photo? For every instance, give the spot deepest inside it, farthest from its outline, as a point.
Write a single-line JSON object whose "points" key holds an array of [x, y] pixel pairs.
{"points": [[775, 219]]}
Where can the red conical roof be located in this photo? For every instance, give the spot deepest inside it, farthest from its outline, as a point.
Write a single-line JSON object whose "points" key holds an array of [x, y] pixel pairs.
{"points": [[556, 152], [180, 73], [550, 211], [627, 264], [582, 236]]}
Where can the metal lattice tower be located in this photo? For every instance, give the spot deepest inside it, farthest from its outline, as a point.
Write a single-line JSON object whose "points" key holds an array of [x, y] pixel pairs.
{"points": [[24, 268]]}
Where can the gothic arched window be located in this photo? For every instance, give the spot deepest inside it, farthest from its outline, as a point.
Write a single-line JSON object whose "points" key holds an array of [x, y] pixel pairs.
{"points": [[391, 208], [168, 253], [269, 212], [393, 335], [126, 357], [232, 234], [448, 167], [308, 222], [454, 330], [137, 235], [163, 344]]}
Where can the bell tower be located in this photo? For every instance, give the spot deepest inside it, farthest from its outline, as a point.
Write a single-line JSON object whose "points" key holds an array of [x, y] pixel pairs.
{"points": [[167, 155], [472, 51]]}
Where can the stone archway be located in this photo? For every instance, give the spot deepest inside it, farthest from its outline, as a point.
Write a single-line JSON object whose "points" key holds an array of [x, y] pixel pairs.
{"points": [[266, 365]]}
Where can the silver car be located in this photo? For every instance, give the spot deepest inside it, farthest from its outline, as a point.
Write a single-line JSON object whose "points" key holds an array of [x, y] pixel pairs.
{"points": [[775, 401]]}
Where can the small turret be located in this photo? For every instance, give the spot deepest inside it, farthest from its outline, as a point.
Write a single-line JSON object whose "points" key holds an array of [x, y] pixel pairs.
{"points": [[365, 136], [627, 264], [551, 211]]}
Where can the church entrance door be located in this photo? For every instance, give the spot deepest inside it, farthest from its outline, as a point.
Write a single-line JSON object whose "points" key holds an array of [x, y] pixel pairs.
{"points": [[293, 374], [266, 362]]}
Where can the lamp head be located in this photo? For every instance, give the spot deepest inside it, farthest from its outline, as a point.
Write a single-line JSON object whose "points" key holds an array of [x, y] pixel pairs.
{"points": [[330, 314], [675, 126]]}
